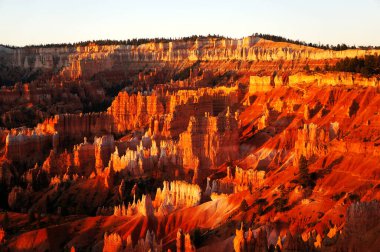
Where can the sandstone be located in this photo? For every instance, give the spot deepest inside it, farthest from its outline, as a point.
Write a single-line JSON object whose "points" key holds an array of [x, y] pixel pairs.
{"points": [[148, 244], [74, 127], [183, 242], [104, 146], [143, 207], [239, 240], [27, 146], [239, 113], [246, 241], [243, 180], [113, 243], [17, 198], [209, 142], [84, 158], [57, 164], [85, 61], [173, 196], [293, 243], [176, 195], [333, 79], [311, 141]]}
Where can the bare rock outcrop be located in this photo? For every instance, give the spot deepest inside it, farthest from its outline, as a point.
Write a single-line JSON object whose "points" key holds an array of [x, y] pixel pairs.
{"points": [[241, 181], [176, 195], [209, 142], [332, 79], [58, 164], [248, 242], [27, 146], [134, 111], [113, 243], [17, 198], [143, 207], [312, 140], [359, 231], [85, 61], [74, 127], [149, 243], [183, 242]]}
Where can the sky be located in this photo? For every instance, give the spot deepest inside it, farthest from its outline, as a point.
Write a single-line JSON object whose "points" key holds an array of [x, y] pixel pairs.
{"points": [[26, 22]]}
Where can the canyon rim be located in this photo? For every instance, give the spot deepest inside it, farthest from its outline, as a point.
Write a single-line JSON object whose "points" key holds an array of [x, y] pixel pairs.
{"points": [[194, 143]]}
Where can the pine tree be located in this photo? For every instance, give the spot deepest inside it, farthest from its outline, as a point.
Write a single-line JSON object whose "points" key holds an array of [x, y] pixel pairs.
{"points": [[243, 205], [304, 176], [5, 223], [31, 217]]}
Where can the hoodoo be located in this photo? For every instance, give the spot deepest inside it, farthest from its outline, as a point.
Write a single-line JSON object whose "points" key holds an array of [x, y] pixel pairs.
{"points": [[203, 143]]}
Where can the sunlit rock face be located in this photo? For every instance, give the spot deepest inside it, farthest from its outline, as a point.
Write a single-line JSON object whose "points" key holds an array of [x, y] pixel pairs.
{"points": [[333, 79], [134, 111], [183, 242], [194, 138], [115, 243], [209, 141], [84, 61], [176, 195], [242, 180], [73, 127], [311, 141], [168, 113], [143, 207], [173, 196]]}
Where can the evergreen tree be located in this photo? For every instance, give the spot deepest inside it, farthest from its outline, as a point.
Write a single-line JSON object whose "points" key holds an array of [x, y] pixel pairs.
{"points": [[304, 176], [5, 222], [31, 217], [243, 205]]}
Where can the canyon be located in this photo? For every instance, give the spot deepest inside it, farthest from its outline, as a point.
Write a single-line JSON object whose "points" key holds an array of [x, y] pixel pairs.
{"points": [[189, 145]]}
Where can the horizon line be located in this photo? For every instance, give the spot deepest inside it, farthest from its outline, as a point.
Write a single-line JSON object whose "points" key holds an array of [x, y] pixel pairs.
{"points": [[170, 39]]}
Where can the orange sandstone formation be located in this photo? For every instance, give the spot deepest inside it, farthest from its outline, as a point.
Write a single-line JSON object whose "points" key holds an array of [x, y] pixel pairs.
{"points": [[293, 154], [209, 142]]}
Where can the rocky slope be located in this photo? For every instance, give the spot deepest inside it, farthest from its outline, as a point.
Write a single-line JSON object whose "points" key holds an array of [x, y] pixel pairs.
{"points": [[213, 144]]}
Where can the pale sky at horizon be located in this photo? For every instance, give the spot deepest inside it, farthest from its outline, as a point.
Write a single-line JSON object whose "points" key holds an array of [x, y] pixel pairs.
{"points": [[25, 22]]}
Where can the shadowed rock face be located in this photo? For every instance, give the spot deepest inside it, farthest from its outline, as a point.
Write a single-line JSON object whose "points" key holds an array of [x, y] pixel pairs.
{"points": [[212, 144], [362, 224]]}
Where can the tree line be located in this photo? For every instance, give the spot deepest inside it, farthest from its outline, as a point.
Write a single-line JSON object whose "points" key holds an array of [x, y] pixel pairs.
{"points": [[338, 47], [367, 66], [136, 42]]}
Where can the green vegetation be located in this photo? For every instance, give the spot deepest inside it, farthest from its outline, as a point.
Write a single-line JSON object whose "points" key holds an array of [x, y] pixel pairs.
{"points": [[280, 204], [197, 237], [135, 41], [185, 73], [261, 201], [31, 217], [338, 196], [354, 197], [307, 68], [9, 75], [353, 108], [304, 176], [243, 206], [339, 47], [367, 66], [6, 221]]}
